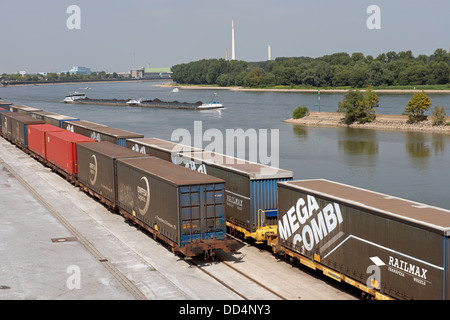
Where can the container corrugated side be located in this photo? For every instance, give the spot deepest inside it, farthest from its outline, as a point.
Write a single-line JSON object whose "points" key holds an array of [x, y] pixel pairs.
{"points": [[62, 151], [37, 135], [350, 236], [97, 167]]}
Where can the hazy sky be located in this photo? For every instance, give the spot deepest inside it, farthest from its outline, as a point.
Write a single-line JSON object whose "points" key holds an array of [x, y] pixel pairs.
{"points": [[119, 35]]}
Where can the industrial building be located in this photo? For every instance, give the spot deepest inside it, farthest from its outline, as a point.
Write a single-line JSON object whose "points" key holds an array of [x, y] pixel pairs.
{"points": [[151, 73]]}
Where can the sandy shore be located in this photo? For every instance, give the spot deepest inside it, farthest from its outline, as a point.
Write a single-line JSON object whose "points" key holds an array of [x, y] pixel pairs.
{"points": [[198, 87], [382, 122]]}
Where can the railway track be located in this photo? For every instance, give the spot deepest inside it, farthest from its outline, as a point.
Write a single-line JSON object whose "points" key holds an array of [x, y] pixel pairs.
{"points": [[224, 279]]}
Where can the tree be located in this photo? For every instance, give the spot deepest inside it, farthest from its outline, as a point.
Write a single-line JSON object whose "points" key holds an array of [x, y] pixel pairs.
{"points": [[416, 107], [438, 115], [359, 106]]}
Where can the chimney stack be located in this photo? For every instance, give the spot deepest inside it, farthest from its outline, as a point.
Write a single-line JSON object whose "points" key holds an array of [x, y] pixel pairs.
{"points": [[233, 53]]}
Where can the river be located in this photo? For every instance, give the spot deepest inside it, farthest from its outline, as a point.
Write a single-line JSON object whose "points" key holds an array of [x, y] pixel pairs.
{"points": [[409, 165]]}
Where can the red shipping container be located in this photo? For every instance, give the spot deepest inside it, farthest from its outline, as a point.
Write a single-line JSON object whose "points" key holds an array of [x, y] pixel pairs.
{"points": [[62, 149], [37, 136]]}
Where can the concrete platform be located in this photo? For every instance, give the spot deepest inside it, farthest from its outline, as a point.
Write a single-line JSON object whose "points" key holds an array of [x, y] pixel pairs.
{"points": [[56, 242]]}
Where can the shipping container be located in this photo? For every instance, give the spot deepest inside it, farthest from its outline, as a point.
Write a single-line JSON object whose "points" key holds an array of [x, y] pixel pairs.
{"points": [[80, 127], [182, 207], [2, 110], [159, 148], [23, 109], [19, 125], [117, 136], [392, 246], [250, 189], [62, 152], [97, 171], [5, 104], [37, 136], [6, 123], [52, 118]]}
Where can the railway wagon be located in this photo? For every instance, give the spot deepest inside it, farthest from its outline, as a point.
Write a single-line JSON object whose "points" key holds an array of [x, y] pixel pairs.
{"points": [[18, 124], [2, 110], [97, 169], [80, 127], [23, 109], [166, 150], [62, 152], [114, 135], [183, 208], [386, 246], [37, 137], [250, 190], [52, 118], [5, 104]]}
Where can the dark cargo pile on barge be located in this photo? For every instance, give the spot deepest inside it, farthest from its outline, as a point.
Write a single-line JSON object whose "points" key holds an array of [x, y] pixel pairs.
{"points": [[155, 103]]}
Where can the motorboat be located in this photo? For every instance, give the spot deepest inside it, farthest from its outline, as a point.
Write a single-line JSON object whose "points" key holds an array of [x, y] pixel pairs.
{"points": [[134, 102], [211, 105], [175, 90], [75, 96]]}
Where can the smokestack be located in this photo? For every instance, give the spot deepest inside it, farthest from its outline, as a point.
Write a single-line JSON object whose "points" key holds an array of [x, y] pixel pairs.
{"points": [[233, 53], [269, 53]]}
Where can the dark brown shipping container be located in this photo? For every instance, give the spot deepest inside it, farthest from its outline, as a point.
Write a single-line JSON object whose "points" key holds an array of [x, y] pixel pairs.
{"points": [[117, 136], [7, 124], [159, 148], [52, 118], [17, 127], [399, 247], [97, 168], [23, 109], [185, 207], [80, 127]]}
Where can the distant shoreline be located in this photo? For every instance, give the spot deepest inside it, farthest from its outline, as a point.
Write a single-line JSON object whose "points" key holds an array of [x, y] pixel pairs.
{"points": [[382, 122], [75, 82], [199, 87]]}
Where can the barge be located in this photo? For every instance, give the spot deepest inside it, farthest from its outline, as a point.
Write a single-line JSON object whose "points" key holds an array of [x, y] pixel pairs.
{"points": [[155, 103]]}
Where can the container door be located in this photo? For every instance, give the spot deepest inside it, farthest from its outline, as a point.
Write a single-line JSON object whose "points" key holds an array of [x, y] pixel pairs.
{"points": [[190, 216], [214, 212], [202, 214]]}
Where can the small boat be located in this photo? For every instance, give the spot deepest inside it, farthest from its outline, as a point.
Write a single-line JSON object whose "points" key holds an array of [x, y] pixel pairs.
{"points": [[211, 105], [75, 96], [134, 102], [175, 90]]}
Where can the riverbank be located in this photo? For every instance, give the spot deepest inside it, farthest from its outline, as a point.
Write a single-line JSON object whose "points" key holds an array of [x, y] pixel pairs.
{"points": [[199, 87], [382, 122]]}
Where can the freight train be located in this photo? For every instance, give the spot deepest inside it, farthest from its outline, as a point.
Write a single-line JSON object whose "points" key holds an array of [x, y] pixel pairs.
{"points": [[389, 248]]}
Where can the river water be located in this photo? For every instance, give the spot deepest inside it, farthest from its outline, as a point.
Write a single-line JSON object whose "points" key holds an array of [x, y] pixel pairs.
{"points": [[409, 165]]}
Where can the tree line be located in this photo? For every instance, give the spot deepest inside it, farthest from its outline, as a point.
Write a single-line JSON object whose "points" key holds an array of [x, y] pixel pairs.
{"points": [[335, 70]]}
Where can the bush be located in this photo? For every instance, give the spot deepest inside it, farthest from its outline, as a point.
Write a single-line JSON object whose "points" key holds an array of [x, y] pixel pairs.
{"points": [[359, 106], [438, 116], [416, 107], [300, 112]]}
